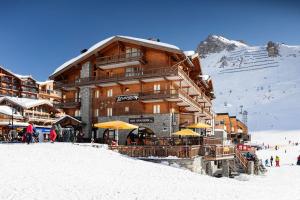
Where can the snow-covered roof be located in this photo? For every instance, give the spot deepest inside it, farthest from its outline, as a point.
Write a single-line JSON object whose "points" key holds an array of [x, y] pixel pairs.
{"points": [[6, 110], [15, 123], [44, 82], [189, 53], [66, 116], [24, 76], [106, 41], [17, 75], [26, 102]]}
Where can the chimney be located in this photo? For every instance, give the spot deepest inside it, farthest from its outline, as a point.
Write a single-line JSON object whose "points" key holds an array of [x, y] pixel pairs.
{"points": [[83, 51]]}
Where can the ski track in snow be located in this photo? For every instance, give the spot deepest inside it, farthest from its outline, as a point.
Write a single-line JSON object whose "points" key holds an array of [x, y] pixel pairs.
{"points": [[66, 171], [267, 87]]}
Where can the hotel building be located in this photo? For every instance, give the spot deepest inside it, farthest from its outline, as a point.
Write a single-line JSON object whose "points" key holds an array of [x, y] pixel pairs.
{"points": [[152, 84]]}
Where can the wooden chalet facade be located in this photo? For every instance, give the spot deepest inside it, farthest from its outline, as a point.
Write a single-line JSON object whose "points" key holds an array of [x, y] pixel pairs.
{"points": [[236, 130], [152, 84], [47, 92], [17, 85]]}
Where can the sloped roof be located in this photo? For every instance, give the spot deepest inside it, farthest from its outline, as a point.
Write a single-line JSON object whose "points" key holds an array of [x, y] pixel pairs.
{"points": [[65, 117], [6, 110], [105, 42], [26, 102], [19, 76]]}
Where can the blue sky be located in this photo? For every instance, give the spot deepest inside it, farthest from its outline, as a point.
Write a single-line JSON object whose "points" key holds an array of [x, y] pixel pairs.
{"points": [[38, 36]]}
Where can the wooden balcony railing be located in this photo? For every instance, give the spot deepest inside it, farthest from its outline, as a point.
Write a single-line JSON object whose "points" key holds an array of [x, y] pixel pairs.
{"points": [[214, 152], [68, 103], [191, 82], [139, 74], [115, 59], [158, 151], [211, 141]]}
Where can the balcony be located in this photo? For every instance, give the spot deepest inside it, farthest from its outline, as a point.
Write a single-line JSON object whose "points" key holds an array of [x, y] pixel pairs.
{"points": [[121, 60], [219, 152], [51, 93], [172, 95], [68, 103]]}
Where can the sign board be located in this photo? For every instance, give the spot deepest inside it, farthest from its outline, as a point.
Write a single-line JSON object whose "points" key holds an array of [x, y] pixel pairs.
{"points": [[127, 98], [142, 120]]}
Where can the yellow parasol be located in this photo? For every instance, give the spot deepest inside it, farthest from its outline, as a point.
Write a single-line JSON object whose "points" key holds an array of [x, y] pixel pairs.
{"points": [[199, 125], [116, 125], [186, 132]]}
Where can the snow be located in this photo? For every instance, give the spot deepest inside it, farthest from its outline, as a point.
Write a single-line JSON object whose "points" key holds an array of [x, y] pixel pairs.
{"points": [[267, 87], [44, 82], [189, 53], [26, 102], [6, 110], [67, 171], [105, 41], [227, 41]]}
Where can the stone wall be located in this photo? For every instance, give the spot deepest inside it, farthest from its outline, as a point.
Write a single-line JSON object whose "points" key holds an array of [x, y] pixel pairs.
{"points": [[161, 125], [86, 101]]}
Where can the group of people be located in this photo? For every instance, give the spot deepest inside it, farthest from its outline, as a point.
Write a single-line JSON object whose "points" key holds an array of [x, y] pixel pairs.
{"points": [[277, 160], [31, 132]]}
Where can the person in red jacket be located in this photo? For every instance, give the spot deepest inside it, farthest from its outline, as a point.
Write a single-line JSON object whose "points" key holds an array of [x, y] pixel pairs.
{"points": [[29, 132], [52, 134]]}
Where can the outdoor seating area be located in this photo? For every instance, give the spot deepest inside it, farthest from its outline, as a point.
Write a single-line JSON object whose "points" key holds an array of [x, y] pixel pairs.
{"points": [[182, 144]]}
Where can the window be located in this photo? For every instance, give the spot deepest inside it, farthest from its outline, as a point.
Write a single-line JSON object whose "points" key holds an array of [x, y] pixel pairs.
{"points": [[77, 113], [97, 94], [132, 52], [96, 112], [109, 92], [156, 109], [156, 88], [76, 95], [222, 122], [109, 112], [126, 109], [133, 71]]}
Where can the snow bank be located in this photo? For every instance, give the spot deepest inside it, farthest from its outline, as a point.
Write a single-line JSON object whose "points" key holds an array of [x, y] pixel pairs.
{"points": [[65, 171]]}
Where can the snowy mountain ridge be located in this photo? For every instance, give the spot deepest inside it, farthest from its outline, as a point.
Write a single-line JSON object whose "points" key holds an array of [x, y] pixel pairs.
{"points": [[262, 80]]}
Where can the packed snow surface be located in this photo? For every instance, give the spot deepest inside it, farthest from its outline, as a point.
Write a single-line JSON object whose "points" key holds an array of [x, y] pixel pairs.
{"points": [[66, 171]]}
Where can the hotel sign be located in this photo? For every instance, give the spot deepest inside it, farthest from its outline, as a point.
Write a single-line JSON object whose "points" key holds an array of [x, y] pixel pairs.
{"points": [[127, 98], [142, 120]]}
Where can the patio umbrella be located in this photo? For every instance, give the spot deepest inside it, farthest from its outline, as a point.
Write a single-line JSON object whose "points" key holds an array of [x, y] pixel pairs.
{"points": [[185, 133], [116, 125], [199, 125]]}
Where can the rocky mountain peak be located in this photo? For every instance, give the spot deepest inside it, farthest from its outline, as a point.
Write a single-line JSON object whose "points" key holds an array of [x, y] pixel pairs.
{"points": [[215, 44]]}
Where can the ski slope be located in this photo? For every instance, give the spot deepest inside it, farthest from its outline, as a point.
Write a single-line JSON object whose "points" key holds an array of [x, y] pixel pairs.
{"points": [[267, 87], [64, 171]]}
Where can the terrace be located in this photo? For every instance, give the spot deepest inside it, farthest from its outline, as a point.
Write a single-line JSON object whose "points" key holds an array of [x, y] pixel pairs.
{"points": [[208, 147]]}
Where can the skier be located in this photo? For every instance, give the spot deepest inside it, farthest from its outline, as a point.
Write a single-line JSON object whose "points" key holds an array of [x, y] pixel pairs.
{"points": [[52, 134], [271, 160], [267, 163], [298, 160], [277, 161], [29, 132]]}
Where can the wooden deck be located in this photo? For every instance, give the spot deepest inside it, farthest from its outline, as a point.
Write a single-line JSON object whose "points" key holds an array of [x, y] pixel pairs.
{"points": [[211, 152]]}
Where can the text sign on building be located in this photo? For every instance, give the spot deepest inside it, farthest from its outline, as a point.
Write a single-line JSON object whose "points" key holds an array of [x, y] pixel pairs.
{"points": [[142, 120], [127, 98]]}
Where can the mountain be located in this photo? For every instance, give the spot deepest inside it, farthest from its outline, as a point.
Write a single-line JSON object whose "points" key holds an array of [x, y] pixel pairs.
{"points": [[262, 80]]}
